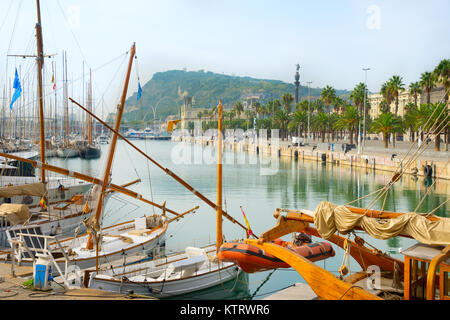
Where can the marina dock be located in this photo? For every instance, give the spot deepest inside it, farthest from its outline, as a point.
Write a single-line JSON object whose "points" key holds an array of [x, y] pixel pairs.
{"points": [[12, 288], [298, 291]]}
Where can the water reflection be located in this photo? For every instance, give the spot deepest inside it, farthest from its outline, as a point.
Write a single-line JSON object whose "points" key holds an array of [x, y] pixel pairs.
{"points": [[235, 289], [296, 185]]}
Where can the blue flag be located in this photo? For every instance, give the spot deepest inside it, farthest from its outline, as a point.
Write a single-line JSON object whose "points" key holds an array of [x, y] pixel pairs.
{"points": [[18, 88], [139, 93]]}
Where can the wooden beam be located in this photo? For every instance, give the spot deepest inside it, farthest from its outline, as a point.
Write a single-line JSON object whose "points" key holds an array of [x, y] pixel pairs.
{"points": [[322, 282], [86, 178], [166, 170]]}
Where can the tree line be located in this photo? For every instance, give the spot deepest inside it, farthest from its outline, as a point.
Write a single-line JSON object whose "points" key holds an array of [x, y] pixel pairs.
{"points": [[332, 118]]}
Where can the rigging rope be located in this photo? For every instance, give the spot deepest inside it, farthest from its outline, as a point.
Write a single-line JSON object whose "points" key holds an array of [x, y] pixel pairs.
{"points": [[143, 128]]}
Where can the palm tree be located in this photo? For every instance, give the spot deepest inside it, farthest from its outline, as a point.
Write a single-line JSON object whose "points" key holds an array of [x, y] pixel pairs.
{"points": [[302, 105], [340, 104], [282, 118], [428, 81], [357, 96], [386, 93], [438, 121], [387, 123], [320, 122], [348, 121], [299, 121], [442, 75], [395, 85], [409, 118], [238, 108], [318, 105], [384, 106], [328, 95], [286, 100], [256, 107], [442, 72], [415, 89]]}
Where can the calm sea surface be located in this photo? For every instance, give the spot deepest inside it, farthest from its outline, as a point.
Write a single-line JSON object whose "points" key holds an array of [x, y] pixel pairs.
{"points": [[295, 185]]}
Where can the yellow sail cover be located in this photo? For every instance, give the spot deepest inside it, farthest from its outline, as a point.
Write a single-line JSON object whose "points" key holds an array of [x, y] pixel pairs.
{"points": [[30, 189], [15, 213], [330, 218]]}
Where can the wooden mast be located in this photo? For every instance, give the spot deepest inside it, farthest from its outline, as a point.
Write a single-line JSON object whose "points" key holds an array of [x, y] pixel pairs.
{"points": [[66, 103], [90, 109], [219, 179], [105, 180], [40, 64]]}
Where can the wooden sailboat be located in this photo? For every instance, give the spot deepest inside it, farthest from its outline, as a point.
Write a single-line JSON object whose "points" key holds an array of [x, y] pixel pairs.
{"points": [[66, 150], [424, 272], [26, 193], [100, 245], [190, 271], [414, 278], [90, 150]]}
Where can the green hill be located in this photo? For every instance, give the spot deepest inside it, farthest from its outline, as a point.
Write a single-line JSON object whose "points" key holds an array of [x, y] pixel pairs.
{"points": [[164, 92]]}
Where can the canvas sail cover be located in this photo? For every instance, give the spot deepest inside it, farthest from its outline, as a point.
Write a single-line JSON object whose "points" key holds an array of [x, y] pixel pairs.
{"points": [[15, 213], [30, 189], [330, 218]]}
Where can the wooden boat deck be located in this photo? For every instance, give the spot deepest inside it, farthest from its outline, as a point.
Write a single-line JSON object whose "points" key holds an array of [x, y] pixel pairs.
{"points": [[11, 289]]}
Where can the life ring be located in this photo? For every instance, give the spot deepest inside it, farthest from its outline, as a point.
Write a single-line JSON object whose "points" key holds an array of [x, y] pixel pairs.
{"points": [[428, 171]]}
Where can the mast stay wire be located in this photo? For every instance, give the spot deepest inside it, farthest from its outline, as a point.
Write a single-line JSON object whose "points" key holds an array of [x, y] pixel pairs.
{"points": [[6, 15], [81, 50], [145, 140], [400, 171]]}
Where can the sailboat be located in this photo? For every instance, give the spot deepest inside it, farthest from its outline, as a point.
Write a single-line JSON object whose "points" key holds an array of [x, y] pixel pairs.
{"points": [[186, 272], [422, 275], [100, 245], [66, 150], [89, 149]]}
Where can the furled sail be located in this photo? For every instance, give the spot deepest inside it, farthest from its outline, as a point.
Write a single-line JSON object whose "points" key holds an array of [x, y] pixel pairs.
{"points": [[30, 189], [15, 213], [330, 218]]}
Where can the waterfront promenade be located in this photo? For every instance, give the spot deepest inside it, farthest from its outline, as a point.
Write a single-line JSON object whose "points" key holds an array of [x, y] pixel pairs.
{"points": [[374, 156]]}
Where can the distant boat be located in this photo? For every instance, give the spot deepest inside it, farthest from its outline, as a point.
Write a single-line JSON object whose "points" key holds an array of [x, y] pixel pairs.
{"points": [[89, 149], [103, 139], [90, 152], [65, 153]]}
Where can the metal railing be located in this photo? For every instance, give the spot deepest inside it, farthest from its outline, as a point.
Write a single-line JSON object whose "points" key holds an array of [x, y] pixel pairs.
{"points": [[20, 246]]}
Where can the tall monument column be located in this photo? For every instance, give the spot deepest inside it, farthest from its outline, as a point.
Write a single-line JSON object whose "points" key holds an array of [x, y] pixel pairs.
{"points": [[297, 83]]}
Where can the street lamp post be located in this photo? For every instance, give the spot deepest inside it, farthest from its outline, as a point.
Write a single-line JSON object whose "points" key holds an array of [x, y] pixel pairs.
{"points": [[309, 107], [365, 94]]}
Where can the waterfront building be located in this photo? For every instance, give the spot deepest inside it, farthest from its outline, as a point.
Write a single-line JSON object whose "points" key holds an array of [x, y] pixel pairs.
{"points": [[404, 98]]}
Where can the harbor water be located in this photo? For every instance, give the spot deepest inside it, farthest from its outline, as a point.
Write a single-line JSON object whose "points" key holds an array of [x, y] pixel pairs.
{"points": [[289, 184]]}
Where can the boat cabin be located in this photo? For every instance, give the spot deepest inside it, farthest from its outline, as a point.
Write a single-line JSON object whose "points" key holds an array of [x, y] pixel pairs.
{"points": [[426, 274]]}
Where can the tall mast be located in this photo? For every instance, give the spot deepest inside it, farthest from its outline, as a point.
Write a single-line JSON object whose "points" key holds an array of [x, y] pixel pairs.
{"points": [[112, 148], [66, 103], [40, 64], [90, 108], [219, 179], [55, 121]]}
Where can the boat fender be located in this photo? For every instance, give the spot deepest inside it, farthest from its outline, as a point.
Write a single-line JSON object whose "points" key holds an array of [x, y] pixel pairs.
{"points": [[428, 171]]}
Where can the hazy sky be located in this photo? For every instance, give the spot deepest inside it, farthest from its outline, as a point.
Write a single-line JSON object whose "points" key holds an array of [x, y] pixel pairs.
{"points": [[331, 40]]}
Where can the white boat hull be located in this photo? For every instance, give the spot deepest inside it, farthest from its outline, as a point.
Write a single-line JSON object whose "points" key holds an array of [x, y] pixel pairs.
{"points": [[110, 250], [70, 188], [67, 153], [169, 288], [153, 278]]}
